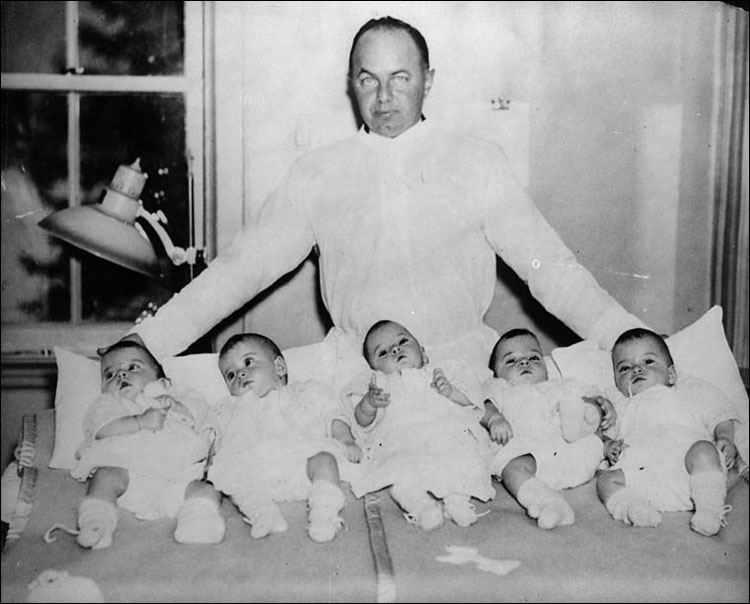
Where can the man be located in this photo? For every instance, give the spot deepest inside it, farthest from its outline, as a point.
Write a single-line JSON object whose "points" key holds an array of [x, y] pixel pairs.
{"points": [[407, 220]]}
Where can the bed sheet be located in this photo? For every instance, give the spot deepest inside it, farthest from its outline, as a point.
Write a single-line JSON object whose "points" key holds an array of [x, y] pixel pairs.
{"points": [[595, 560]]}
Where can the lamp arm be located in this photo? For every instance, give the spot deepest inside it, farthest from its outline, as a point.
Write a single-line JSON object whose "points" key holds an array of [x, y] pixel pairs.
{"points": [[176, 254]]}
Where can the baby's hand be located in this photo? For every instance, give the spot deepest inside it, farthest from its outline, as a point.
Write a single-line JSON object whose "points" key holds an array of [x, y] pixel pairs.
{"points": [[728, 450], [441, 383], [500, 429], [613, 449], [609, 416], [353, 451], [377, 397], [152, 419]]}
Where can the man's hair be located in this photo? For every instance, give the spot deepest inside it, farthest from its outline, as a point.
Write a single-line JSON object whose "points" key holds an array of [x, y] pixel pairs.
{"points": [[508, 335], [392, 24], [122, 344], [640, 333], [264, 342]]}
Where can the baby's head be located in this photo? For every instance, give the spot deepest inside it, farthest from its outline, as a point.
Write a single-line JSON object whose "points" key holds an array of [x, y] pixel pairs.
{"points": [[641, 359], [250, 362], [126, 367], [517, 357], [390, 347]]}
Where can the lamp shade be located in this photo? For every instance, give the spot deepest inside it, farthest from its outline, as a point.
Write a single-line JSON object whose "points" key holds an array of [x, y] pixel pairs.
{"points": [[108, 230], [95, 230]]}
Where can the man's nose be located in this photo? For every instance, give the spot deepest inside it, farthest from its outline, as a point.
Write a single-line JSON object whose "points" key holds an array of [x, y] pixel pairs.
{"points": [[384, 93]]}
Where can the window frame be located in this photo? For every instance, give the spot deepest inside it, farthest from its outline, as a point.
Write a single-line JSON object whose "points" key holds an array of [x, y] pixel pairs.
{"points": [[34, 340]]}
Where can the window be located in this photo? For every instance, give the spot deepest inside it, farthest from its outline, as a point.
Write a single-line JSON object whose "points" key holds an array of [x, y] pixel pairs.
{"points": [[87, 86]]}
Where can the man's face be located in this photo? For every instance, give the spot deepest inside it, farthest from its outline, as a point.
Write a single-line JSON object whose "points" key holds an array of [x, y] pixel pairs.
{"points": [[389, 81]]}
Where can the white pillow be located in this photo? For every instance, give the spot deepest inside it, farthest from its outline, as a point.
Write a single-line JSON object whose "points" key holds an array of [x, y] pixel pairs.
{"points": [[700, 350], [79, 383]]}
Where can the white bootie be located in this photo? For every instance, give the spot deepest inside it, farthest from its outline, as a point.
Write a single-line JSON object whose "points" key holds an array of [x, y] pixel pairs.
{"points": [[262, 514], [97, 520], [325, 502], [420, 507], [708, 491], [199, 520], [460, 509], [545, 504], [629, 507]]}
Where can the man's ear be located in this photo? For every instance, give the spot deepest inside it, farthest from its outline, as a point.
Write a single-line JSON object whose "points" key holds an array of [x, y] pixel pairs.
{"points": [[428, 78], [671, 376], [280, 365]]}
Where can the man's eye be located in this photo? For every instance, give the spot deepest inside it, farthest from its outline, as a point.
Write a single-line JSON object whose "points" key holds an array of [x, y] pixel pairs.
{"points": [[367, 81]]}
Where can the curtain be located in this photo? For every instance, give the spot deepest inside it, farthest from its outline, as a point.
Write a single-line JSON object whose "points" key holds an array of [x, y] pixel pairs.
{"points": [[731, 231]]}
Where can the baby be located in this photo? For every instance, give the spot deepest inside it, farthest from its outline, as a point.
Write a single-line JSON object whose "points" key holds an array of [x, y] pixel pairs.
{"points": [[543, 431], [146, 446], [673, 442], [420, 432], [279, 441]]}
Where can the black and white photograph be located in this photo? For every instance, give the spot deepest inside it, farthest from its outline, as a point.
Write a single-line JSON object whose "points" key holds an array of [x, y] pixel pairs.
{"points": [[383, 302]]}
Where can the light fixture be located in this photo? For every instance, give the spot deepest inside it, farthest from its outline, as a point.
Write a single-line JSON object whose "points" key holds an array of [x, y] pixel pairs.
{"points": [[110, 229]]}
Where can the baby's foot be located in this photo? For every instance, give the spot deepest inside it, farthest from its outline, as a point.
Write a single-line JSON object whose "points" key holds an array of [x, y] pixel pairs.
{"points": [[555, 512], [460, 509], [707, 522], [199, 521], [429, 517], [97, 520], [265, 521]]}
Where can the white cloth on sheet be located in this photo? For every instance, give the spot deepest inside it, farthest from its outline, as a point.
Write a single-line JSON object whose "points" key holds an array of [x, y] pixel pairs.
{"points": [[407, 229], [160, 463], [658, 426], [264, 443], [421, 439], [533, 412]]}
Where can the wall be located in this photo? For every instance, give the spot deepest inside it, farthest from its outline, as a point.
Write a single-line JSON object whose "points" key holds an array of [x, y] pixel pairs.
{"points": [[609, 125]]}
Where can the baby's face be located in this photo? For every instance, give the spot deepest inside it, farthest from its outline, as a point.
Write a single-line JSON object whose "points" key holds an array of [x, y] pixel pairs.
{"points": [[640, 364], [520, 361], [391, 348], [250, 367], [126, 371]]}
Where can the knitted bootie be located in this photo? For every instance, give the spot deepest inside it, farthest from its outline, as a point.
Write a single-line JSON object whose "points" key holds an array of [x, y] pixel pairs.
{"points": [[545, 504], [629, 507], [262, 514], [97, 520], [325, 503], [708, 491], [420, 507], [199, 520], [460, 509]]}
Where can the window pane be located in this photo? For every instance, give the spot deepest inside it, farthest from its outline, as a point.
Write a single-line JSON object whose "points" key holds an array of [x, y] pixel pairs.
{"points": [[33, 37], [132, 38], [35, 276], [118, 130]]}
